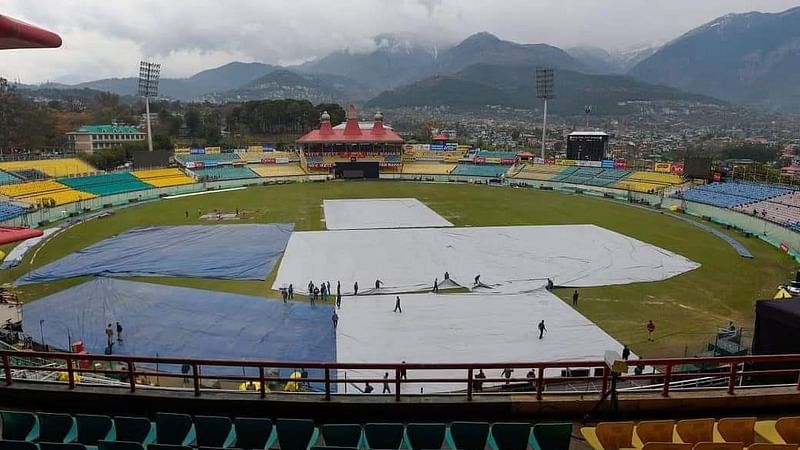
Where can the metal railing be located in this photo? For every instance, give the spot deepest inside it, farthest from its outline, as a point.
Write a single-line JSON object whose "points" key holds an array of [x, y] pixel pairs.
{"points": [[734, 372]]}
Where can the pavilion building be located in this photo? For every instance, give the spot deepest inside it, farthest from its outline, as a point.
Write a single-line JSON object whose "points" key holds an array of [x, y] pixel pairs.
{"points": [[353, 150]]}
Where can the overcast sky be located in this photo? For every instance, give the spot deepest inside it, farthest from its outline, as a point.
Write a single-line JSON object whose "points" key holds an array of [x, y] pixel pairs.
{"points": [[106, 38]]}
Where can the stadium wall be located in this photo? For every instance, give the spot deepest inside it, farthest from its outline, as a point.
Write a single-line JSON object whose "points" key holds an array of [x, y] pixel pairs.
{"points": [[776, 235]]}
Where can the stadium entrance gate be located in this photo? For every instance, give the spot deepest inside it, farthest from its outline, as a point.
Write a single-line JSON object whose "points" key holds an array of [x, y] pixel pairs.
{"points": [[357, 170]]}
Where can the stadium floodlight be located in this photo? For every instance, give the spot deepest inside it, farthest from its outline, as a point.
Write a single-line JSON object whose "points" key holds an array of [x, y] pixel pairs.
{"points": [[545, 90], [149, 74], [587, 110]]}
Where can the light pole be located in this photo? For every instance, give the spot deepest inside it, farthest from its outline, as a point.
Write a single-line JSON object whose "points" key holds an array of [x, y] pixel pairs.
{"points": [[587, 110], [544, 91], [41, 330], [148, 87]]}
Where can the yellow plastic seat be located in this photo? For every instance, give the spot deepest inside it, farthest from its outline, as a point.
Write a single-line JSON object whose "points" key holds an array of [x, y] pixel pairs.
{"points": [[609, 435], [693, 431], [718, 446], [765, 446], [738, 429], [648, 431], [666, 446], [785, 430]]}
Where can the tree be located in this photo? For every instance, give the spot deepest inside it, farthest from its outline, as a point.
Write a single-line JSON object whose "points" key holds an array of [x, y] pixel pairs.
{"points": [[194, 122]]}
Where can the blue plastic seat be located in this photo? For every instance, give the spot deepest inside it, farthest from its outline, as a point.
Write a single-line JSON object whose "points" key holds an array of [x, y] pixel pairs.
{"points": [[19, 426], [58, 428], [425, 436], [213, 431], [252, 433], [383, 435], [174, 429], [295, 434]]}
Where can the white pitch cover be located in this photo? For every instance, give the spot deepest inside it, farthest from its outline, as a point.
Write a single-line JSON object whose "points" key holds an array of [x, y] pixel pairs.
{"points": [[361, 214], [509, 259], [462, 328]]}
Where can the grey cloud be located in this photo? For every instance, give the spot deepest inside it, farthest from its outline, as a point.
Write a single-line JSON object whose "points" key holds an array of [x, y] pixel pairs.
{"points": [[102, 37]]}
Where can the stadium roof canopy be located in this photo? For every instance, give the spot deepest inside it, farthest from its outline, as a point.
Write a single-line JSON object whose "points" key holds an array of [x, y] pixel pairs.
{"points": [[17, 34], [352, 133]]}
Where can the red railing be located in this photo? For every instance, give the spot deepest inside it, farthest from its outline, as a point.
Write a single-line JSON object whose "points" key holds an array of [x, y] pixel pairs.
{"points": [[662, 373]]}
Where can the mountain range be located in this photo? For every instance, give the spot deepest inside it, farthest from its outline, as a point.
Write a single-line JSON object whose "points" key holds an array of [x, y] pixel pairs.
{"points": [[748, 58]]}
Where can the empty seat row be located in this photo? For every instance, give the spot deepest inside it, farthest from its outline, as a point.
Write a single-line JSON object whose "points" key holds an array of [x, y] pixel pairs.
{"points": [[738, 431], [48, 430]]}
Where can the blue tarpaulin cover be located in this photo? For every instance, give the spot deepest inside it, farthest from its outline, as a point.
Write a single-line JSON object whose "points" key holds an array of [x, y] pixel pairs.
{"points": [[184, 322], [236, 252]]}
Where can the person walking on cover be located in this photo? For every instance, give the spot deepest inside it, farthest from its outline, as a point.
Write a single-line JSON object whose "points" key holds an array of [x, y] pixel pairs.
{"points": [[291, 292], [378, 284], [386, 389], [355, 288], [626, 352], [478, 280], [119, 333], [542, 329], [110, 335], [651, 327], [339, 300], [335, 319], [397, 305], [436, 285], [575, 296]]}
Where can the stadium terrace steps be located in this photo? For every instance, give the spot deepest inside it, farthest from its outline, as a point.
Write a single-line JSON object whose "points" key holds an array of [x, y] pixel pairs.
{"points": [[9, 178], [427, 168], [106, 184], [207, 157], [783, 209], [474, 170], [163, 177], [39, 192], [257, 157], [278, 170], [640, 181], [541, 172], [9, 211], [224, 173], [732, 194], [52, 167]]}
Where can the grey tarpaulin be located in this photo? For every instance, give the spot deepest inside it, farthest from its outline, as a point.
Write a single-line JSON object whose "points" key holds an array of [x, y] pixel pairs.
{"points": [[237, 252]]}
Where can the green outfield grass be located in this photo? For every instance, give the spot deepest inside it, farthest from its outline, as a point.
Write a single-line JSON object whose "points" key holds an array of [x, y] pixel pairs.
{"points": [[686, 309]]}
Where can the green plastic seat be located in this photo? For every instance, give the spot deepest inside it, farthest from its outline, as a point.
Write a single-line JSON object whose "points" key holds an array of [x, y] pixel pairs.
{"points": [[468, 435], [168, 447], [61, 446], [174, 429], [253, 434], [93, 429], [510, 436], [336, 435], [427, 436], [119, 445], [383, 435], [218, 448], [134, 429], [213, 431], [295, 434], [9, 444], [58, 428], [19, 426], [552, 436]]}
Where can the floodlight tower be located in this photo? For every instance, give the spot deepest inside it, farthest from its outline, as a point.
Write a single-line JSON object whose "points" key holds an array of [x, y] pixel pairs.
{"points": [[544, 91], [587, 110], [148, 87]]}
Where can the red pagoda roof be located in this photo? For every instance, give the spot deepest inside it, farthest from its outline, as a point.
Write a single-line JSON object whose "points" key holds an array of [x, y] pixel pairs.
{"points": [[17, 34], [352, 132], [441, 137]]}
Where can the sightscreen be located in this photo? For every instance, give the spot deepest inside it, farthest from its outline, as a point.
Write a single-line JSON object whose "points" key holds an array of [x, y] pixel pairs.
{"points": [[151, 160], [697, 168]]}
